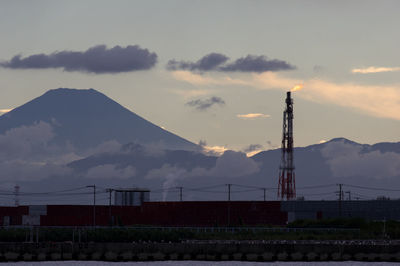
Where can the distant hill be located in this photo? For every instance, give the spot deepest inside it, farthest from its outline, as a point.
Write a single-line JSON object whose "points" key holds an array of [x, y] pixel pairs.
{"points": [[86, 118], [336, 161], [137, 156]]}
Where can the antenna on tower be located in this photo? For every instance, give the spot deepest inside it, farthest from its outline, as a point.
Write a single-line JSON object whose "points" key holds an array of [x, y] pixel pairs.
{"points": [[16, 194], [287, 185]]}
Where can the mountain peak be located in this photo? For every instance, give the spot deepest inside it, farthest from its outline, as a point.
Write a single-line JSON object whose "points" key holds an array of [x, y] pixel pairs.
{"points": [[68, 90], [344, 140], [71, 92], [87, 118]]}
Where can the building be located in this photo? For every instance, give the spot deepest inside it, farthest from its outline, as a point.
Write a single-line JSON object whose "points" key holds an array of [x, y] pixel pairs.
{"points": [[131, 197], [198, 213]]}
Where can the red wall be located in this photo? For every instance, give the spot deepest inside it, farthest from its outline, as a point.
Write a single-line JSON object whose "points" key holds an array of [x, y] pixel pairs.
{"points": [[187, 213], [212, 213], [15, 214]]}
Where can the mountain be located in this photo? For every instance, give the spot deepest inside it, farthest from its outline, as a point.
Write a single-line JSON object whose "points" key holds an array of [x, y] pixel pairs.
{"points": [[336, 161], [144, 160], [87, 118]]}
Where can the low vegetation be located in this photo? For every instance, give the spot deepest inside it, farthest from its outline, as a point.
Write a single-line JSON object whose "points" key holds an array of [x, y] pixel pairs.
{"points": [[329, 229]]}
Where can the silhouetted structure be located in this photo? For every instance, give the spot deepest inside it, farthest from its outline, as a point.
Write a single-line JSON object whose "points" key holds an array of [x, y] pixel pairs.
{"points": [[131, 197], [196, 213], [286, 185]]}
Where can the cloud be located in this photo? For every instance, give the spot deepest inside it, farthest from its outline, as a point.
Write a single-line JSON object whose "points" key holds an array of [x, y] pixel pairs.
{"points": [[379, 101], [252, 63], [97, 59], [271, 145], [350, 160], [22, 170], [253, 116], [253, 149], [170, 174], [3, 111], [372, 69], [186, 94], [207, 63], [110, 171], [318, 69], [110, 146], [233, 164], [204, 104], [197, 79], [211, 150], [218, 62], [25, 141], [26, 154], [229, 164]]}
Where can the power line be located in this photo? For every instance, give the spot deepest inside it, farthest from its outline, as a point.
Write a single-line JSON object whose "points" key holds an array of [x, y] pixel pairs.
{"points": [[317, 186], [318, 194], [52, 192], [373, 188], [255, 187], [205, 188], [363, 196], [247, 190]]}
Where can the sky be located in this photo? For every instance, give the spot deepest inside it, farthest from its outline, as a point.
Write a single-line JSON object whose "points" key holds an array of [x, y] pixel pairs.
{"points": [[215, 71]]}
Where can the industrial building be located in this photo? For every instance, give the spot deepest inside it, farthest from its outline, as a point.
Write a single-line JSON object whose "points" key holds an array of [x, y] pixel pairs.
{"points": [[195, 213], [131, 197]]}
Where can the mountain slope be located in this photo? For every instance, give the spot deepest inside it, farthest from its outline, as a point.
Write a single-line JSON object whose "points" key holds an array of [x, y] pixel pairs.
{"points": [[336, 161], [137, 156], [87, 118]]}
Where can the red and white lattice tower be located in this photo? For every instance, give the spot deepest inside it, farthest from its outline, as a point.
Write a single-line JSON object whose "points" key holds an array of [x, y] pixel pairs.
{"points": [[287, 185]]}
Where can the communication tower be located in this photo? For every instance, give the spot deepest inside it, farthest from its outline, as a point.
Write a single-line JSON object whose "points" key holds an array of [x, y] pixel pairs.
{"points": [[287, 185]]}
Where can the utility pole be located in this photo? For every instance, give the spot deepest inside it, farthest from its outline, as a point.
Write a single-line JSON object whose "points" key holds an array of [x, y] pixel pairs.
{"points": [[264, 189], [180, 193], [229, 205], [110, 190], [340, 192], [229, 191], [349, 195], [94, 204]]}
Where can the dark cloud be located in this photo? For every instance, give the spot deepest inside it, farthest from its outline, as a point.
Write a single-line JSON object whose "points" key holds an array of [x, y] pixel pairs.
{"points": [[253, 63], [204, 104], [206, 63], [97, 59], [202, 143], [218, 62], [110, 171], [253, 147]]}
